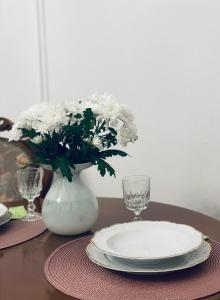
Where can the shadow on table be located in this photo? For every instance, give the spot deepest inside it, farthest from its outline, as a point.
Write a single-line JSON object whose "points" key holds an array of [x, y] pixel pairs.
{"points": [[52, 241], [54, 294]]}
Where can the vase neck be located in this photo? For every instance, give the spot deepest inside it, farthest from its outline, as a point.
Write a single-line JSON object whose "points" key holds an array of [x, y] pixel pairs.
{"points": [[75, 171], [58, 174]]}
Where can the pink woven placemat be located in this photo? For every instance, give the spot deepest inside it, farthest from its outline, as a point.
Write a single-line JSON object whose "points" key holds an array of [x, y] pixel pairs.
{"points": [[69, 270], [16, 232]]}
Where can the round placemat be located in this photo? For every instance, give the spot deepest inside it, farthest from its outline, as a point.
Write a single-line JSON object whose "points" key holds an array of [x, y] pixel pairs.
{"points": [[17, 231], [69, 270]]}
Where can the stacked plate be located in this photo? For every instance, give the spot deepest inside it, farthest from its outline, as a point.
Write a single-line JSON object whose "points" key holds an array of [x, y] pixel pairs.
{"points": [[148, 247], [4, 214]]}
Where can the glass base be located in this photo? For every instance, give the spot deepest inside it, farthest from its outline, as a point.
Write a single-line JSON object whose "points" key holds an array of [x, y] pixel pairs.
{"points": [[32, 217], [137, 218]]}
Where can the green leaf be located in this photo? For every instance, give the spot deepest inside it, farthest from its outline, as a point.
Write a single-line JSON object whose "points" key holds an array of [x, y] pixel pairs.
{"points": [[89, 119], [42, 160], [66, 171], [108, 140], [64, 165], [29, 133], [78, 116], [112, 130], [100, 127], [103, 166], [111, 152]]}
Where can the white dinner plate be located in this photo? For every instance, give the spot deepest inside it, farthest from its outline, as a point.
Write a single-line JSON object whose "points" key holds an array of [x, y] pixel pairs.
{"points": [[3, 210], [179, 263], [5, 221], [4, 214], [147, 240]]}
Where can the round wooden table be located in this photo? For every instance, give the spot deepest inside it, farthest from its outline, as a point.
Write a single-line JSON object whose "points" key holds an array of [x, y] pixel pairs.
{"points": [[21, 266]]}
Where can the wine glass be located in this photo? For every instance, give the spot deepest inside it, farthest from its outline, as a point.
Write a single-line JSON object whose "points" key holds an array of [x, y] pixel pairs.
{"points": [[136, 191], [30, 185]]}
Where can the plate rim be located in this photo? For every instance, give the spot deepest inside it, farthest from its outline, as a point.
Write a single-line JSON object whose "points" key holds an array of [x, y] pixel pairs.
{"points": [[6, 221], [139, 258], [147, 271]]}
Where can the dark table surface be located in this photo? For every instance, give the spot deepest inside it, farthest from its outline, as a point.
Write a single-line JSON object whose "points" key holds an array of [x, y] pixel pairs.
{"points": [[21, 266]]}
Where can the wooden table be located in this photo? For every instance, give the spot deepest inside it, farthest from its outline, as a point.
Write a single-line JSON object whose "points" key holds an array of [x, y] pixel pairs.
{"points": [[21, 266]]}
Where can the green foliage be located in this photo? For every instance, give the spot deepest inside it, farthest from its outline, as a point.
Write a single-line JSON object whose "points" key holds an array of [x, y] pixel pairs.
{"points": [[111, 152], [64, 165], [29, 133], [103, 166]]}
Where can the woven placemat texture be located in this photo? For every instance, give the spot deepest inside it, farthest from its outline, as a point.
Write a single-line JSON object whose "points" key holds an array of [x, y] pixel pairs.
{"points": [[69, 270], [17, 231]]}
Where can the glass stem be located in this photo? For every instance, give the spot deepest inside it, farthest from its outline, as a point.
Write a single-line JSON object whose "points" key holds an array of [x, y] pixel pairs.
{"points": [[137, 216], [31, 207]]}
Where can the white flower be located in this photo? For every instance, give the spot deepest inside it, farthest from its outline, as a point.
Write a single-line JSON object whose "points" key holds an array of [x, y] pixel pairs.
{"points": [[97, 143], [125, 115], [51, 120], [115, 123], [117, 116], [126, 135], [37, 139], [15, 134], [108, 107], [104, 105], [90, 103], [44, 118], [73, 120], [47, 118]]}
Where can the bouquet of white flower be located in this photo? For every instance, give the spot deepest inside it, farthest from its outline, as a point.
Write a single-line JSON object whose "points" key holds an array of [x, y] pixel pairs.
{"points": [[64, 135]]}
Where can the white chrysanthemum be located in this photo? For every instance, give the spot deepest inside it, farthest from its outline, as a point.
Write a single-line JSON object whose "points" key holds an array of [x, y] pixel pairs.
{"points": [[51, 120], [43, 118], [126, 115], [116, 115], [97, 143], [73, 120], [15, 134], [32, 115], [107, 105], [95, 106], [37, 139], [126, 135], [115, 123], [48, 118]]}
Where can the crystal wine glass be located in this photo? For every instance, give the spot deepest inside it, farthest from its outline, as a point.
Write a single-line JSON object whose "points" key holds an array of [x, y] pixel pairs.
{"points": [[136, 191], [30, 185]]}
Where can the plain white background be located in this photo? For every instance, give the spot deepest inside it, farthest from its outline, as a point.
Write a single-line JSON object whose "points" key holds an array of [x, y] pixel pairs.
{"points": [[160, 57]]}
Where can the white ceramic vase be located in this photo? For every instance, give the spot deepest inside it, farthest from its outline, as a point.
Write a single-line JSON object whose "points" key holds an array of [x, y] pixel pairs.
{"points": [[70, 207]]}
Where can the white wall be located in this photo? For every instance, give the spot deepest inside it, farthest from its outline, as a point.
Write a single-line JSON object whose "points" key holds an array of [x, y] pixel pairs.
{"points": [[19, 59], [160, 57]]}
